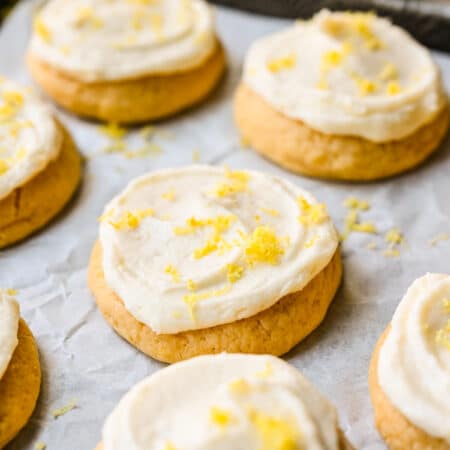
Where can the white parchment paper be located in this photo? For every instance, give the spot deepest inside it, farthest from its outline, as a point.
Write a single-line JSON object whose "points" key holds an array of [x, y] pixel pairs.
{"points": [[84, 360]]}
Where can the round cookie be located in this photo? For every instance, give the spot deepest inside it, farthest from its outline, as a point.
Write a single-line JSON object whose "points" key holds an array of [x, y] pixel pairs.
{"points": [[244, 401], [31, 206], [201, 259], [345, 96], [19, 386], [409, 375], [398, 432], [297, 147], [143, 61], [273, 331]]}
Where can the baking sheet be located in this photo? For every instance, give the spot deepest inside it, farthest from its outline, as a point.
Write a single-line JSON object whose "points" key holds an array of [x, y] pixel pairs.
{"points": [[84, 361]]}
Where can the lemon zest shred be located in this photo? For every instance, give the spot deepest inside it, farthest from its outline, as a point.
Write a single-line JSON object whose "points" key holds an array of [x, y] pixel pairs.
{"points": [[42, 30], [274, 433], [221, 417], [173, 272], [56, 413], [282, 63], [262, 246], [311, 213], [239, 386], [234, 272], [191, 300]]}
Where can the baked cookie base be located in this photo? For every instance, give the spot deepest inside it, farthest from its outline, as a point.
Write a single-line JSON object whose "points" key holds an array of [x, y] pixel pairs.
{"points": [[297, 147], [19, 386], [132, 100], [397, 431], [273, 331], [31, 206]]}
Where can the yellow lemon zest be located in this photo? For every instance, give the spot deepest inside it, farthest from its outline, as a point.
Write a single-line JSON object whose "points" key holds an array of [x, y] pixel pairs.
{"points": [[394, 236], [239, 386], [192, 299], [388, 72], [274, 433], [169, 446], [266, 372], [11, 292], [196, 155], [4, 166], [129, 220], [221, 417], [173, 272], [40, 446], [262, 246], [234, 272], [42, 30], [393, 88], [311, 213], [283, 63], [311, 242], [270, 212], [355, 203], [113, 131], [237, 181], [443, 336], [64, 409], [169, 195], [438, 238], [86, 16], [191, 285]]}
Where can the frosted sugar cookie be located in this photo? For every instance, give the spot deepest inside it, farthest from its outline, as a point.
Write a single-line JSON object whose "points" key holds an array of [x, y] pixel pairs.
{"points": [[20, 373], [344, 95], [410, 369], [204, 260], [227, 401], [39, 165], [126, 61]]}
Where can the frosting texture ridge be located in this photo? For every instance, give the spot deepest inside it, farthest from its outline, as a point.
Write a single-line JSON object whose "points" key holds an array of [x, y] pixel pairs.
{"points": [[243, 402], [29, 138], [347, 73], [97, 40], [196, 247], [9, 325], [414, 362]]}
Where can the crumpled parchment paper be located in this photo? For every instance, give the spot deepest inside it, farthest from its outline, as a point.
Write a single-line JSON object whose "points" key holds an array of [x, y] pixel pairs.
{"points": [[84, 361]]}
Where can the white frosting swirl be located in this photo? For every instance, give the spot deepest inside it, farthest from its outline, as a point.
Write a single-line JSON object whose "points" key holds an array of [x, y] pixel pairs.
{"points": [[97, 40], [227, 401], [347, 74], [29, 138], [173, 276], [414, 362], [9, 326]]}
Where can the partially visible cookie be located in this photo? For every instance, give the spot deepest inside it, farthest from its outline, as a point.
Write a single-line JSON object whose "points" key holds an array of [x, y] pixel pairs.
{"points": [[242, 401], [126, 62], [295, 146], [20, 382], [40, 167], [345, 95], [410, 370], [202, 260]]}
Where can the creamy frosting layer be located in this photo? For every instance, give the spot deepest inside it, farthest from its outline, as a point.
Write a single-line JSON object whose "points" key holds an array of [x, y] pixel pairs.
{"points": [[414, 362], [200, 246], [347, 74], [97, 40], [227, 401], [29, 138], [9, 326]]}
